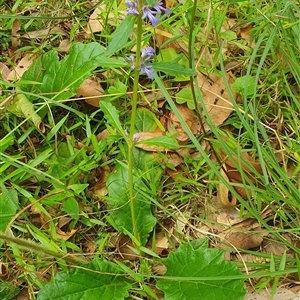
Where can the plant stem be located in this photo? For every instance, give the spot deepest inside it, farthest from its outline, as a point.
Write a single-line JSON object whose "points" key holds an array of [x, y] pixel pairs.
{"points": [[29, 245], [130, 141]]}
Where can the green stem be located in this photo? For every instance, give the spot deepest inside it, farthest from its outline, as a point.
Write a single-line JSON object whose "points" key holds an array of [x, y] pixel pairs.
{"points": [[130, 141], [29, 245]]}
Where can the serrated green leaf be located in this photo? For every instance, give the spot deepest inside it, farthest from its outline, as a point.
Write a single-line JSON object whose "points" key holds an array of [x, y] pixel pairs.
{"points": [[119, 209], [120, 35], [186, 96], [174, 69], [111, 115], [193, 260], [62, 78], [100, 279], [8, 206]]}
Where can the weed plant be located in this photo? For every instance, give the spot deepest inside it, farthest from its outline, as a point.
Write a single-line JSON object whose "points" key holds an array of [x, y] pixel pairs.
{"points": [[86, 212]]}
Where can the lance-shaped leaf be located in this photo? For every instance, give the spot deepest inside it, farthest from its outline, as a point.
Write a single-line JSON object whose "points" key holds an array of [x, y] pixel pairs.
{"points": [[194, 270], [143, 219], [100, 279]]}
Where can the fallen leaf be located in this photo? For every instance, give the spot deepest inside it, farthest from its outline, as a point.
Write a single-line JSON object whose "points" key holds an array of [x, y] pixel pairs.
{"points": [[91, 90], [217, 101], [64, 235], [99, 188], [42, 33], [224, 197], [4, 71], [191, 119], [95, 24], [22, 66]]}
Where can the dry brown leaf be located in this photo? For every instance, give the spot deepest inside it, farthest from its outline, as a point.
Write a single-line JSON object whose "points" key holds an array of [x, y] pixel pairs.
{"points": [[145, 135], [94, 24], [64, 46], [224, 197], [4, 71], [245, 34], [217, 101], [191, 119], [91, 90], [103, 134], [42, 33], [21, 67], [15, 41], [99, 188], [64, 235]]}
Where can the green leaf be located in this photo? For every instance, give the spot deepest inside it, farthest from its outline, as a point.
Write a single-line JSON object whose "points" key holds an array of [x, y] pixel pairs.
{"points": [[169, 60], [62, 78], [111, 115], [174, 69], [245, 85], [193, 260], [8, 291], [145, 120], [71, 207], [120, 35], [21, 106], [8, 206], [166, 142], [6, 141], [119, 88], [119, 209], [186, 96], [100, 279]]}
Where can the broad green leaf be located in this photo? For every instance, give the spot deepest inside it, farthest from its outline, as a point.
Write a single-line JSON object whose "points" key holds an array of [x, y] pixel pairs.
{"points": [[99, 280], [185, 96], [111, 115], [71, 207], [8, 205], [194, 260], [120, 36], [244, 85], [174, 69], [21, 106], [60, 79], [145, 120], [119, 209]]}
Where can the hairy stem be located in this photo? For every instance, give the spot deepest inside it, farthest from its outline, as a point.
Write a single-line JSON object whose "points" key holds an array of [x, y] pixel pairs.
{"points": [[130, 142], [31, 246]]}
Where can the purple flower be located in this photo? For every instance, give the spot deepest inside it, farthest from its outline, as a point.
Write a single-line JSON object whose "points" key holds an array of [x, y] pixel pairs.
{"points": [[159, 8], [132, 7], [147, 54], [145, 66], [150, 15], [148, 70]]}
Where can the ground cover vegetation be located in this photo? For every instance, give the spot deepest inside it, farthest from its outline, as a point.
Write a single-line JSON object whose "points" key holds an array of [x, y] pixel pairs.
{"points": [[149, 149]]}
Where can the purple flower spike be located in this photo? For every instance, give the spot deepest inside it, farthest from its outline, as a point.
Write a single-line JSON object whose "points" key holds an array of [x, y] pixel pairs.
{"points": [[150, 15], [132, 7]]}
